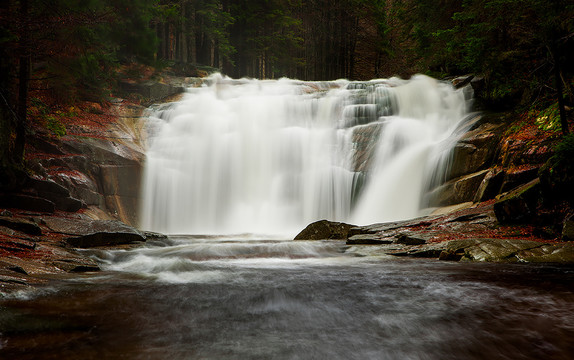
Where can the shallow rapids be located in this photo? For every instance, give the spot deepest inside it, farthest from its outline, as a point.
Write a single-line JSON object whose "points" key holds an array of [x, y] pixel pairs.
{"points": [[244, 298]]}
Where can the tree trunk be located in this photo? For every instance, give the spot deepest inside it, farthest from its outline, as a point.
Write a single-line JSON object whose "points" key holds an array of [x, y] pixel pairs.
{"points": [[23, 79], [559, 88]]}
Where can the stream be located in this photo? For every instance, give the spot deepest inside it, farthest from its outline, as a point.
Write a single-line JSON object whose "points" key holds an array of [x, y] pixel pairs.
{"points": [[257, 297]]}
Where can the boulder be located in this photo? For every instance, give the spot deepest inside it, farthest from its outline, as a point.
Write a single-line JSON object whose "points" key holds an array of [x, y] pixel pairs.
{"points": [[490, 185], [27, 202], [324, 230], [22, 225], [518, 176], [475, 150], [150, 90], [457, 191], [92, 233], [548, 253], [519, 205], [411, 239]]}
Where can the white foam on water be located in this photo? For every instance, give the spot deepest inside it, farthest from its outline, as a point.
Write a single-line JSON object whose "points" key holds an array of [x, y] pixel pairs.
{"points": [[272, 156]]}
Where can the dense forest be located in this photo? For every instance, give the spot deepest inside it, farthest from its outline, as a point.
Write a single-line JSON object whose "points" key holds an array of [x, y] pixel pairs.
{"points": [[72, 50]]}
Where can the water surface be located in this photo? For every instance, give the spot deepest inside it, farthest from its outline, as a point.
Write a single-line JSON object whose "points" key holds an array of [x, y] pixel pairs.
{"points": [[244, 298]]}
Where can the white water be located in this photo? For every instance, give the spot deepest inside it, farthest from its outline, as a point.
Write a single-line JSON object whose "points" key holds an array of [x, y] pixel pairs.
{"points": [[272, 156]]}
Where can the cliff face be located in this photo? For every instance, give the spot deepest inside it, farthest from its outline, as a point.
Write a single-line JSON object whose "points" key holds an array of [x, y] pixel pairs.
{"points": [[98, 165]]}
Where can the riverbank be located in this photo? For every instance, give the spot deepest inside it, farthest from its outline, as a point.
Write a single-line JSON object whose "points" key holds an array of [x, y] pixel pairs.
{"points": [[469, 234]]}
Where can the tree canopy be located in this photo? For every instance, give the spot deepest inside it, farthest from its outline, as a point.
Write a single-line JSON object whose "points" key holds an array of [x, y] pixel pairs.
{"points": [[524, 49]]}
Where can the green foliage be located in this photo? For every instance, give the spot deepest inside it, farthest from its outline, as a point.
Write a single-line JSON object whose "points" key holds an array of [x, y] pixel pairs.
{"points": [[48, 117], [547, 119], [55, 126]]}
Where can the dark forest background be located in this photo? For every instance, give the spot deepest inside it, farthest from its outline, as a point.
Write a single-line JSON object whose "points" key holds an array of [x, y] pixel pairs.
{"points": [[74, 50]]}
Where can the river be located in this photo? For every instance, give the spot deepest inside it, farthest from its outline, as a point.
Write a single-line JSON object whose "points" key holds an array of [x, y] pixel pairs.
{"points": [[246, 297]]}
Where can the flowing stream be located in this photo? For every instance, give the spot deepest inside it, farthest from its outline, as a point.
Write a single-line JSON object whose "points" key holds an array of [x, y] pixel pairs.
{"points": [[194, 297]]}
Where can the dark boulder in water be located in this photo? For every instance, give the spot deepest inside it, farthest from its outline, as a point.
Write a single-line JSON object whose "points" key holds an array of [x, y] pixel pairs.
{"points": [[325, 230]]}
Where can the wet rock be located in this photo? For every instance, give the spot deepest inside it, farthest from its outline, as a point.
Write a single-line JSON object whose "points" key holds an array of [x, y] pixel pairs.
{"points": [[475, 150], [548, 253], [490, 185], [496, 250], [451, 255], [457, 191], [76, 265], [568, 228], [150, 235], [93, 233], [411, 239], [517, 177], [368, 239], [323, 230], [519, 205], [22, 225], [27, 202], [150, 90]]}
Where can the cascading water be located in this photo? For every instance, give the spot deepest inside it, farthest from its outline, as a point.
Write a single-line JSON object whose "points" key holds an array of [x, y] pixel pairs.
{"points": [[254, 156]]}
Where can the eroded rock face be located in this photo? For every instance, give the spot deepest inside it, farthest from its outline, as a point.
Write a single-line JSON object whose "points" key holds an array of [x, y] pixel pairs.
{"points": [[460, 190], [475, 150]]}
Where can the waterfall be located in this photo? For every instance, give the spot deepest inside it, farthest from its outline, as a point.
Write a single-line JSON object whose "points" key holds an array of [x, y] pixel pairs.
{"points": [[271, 156]]}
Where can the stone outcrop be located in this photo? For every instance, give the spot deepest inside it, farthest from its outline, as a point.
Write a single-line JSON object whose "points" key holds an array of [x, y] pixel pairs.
{"points": [[519, 205], [150, 91], [100, 170], [475, 150], [472, 234], [93, 233]]}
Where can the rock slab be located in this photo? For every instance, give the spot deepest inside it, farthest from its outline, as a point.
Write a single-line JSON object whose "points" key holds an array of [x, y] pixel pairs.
{"points": [[93, 233]]}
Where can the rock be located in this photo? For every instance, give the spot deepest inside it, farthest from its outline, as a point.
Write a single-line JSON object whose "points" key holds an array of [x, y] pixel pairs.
{"points": [[548, 253], [411, 239], [76, 265], [27, 202], [368, 239], [364, 143], [86, 233], [516, 177], [475, 150], [149, 235], [494, 250], [151, 90], [457, 191], [22, 225], [323, 230], [490, 185], [42, 187], [519, 205], [568, 228]]}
